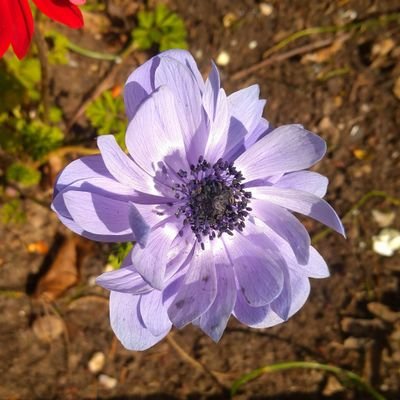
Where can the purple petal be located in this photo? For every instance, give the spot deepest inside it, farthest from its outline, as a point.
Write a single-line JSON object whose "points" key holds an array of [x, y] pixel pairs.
{"points": [[300, 290], [316, 266], [139, 86], [125, 280], [154, 313], [306, 181], [255, 317], [139, 226], [187, 98], [151, 261], [281, 305], [154, 135], [127, 323], [185, 58], [123, 169], [218, 130], [247, 107], [198, 289], [285, 225], [285, 149], [258, 273], [302, 202], [211, 92], [97, 214], [84, 168], [213, 322]]}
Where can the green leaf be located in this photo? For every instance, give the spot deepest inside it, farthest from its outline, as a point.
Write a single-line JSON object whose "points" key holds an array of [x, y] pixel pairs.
{"points": [[12, 212], [23, 174], [107, 115], [118, 254], [160, 27]]}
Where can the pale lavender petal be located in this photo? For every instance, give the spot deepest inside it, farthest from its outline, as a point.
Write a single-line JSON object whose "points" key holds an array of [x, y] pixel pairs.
{"points": [[250, 262], [300, 289], [263, 128], [218, 130], [139, 86], [127, 323], [98, 214], [123, 169], [151, 261], [316, 266], [247, 107], [210, 95], [125, 280], [255, 317], [281, 305], [302, 202], [213, 322], [285, 149], [154, 313], [198, 289], [139, 226], [154, 135], [187, 97], [306, 181], [84, 168], [285, 225], [185, 58]]}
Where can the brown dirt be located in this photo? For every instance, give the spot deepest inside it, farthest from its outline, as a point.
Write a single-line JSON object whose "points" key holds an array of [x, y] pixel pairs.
{"points": [[338, 325]]}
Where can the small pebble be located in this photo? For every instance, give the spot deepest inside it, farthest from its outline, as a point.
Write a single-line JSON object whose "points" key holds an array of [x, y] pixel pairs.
{"points": [[97, 362], [223, 58], [387, 242], [107, 381], [253, 44], [266, 9], [383, 219]]}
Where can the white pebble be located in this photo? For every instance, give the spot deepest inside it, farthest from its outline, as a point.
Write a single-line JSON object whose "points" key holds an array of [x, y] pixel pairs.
{"points": [[223, 59], [96, 363], [387, 242], [253, 44], [266, 9], [107, 381]]}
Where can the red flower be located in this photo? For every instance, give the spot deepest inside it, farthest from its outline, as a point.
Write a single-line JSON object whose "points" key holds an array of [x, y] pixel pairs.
{"points": [[16, 21]]}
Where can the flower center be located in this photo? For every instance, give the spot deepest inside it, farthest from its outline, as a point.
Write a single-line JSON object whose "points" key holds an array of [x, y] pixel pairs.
{"points": [[214, 199]]}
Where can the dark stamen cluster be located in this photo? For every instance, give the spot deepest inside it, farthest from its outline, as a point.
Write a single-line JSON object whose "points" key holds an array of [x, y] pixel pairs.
{"points": [[215, 201]]}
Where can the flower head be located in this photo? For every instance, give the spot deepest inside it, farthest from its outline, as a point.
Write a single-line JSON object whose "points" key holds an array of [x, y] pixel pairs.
{"points": [[16, 22], [207, 192]]}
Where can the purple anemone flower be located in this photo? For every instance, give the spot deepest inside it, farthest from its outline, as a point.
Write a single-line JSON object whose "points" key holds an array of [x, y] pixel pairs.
{"points": [[207, 193]]}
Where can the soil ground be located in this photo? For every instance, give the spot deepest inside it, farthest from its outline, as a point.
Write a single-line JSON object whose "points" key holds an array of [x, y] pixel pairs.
{"points": [[352, 319]]}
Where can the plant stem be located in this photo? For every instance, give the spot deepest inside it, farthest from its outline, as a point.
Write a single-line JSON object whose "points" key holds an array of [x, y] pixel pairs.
{"points": [[93, 54], [44, 70], [345, 376]]}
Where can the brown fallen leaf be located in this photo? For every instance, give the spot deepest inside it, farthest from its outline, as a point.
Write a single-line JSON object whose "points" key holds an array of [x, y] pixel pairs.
{"points": [[62, 274]]}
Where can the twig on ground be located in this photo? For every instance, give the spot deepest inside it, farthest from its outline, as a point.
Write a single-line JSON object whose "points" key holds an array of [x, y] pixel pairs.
{"points": [[196, 364], [105, 84], [282, 57]]}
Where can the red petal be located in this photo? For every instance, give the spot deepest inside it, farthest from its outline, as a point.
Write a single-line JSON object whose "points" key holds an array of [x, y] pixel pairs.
{"points": [[5, 26], [61, 11], [22, 27]]}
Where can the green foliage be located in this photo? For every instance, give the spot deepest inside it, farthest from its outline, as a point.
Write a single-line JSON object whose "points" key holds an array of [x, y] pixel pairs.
{"points": [[12, 212], [107, 115], [23, 174], [11, 89], [22, 136], [94, 5], [160, 27], [27, 72], [58, 47], [118, 254]]}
